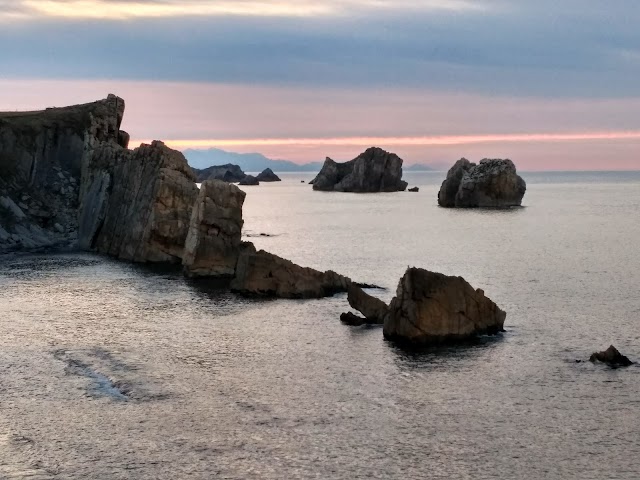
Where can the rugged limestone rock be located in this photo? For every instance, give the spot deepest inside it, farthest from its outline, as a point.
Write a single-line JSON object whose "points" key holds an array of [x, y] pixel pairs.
{"points": [[136, 205], [41, 157], [213, 242], [374, 309], [493, 183], [249, 180], [264, 274], [414, 189], [432, 308], [372, 171], [227, 173], [612, 357], [267, 175]]}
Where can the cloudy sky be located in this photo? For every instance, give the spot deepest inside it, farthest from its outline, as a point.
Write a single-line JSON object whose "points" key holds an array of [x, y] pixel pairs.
{"points": [[551, 84]]}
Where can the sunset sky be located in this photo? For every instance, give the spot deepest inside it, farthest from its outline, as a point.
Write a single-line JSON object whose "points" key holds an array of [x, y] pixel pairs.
{"points": [[552, 85]]}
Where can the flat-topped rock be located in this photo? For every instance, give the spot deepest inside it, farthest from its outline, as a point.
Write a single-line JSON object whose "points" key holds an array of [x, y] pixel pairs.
{"points": [[493, 183], [374, 170], [432, 308]]}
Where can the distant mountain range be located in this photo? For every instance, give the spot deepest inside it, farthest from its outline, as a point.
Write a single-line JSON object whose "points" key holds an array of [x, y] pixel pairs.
{"points": [[256, 162]]}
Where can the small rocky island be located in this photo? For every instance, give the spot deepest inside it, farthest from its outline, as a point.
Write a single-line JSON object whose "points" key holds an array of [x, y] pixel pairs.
{"points": [[493, 183], [233, 174], [374, 170]]}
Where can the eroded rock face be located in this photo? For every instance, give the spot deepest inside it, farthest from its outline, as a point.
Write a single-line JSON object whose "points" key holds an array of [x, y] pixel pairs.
{"points": [[267, 175], [264, 274], [137, 205], [612, 357], [213, 243], [493, 183], [374, 310], [374, 170], [432, 308], [226, 173], [41, 158]]}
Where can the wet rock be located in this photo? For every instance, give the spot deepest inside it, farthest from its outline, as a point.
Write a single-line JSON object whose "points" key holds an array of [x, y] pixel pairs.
{"points": [[352, 319], [267, 175], [414, 189], [612, 357], [264, 274], [493, 183], [432, 308], [213, 243], [249, 180], [374, 309], [374, 170]]}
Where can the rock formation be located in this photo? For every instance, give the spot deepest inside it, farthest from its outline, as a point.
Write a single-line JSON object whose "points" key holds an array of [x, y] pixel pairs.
{"points": [[227, 173], [41, 158], [493, 183], [136, 205], [432, 308], [249, 180], [372, 171], [612, 357], [414, 189], [264, 274], [213, 242], [267, 175], [374, 310], [352, 319]]}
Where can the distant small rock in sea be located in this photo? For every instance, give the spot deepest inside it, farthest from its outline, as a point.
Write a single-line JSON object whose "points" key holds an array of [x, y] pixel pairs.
{"points": [[493, 183], [249, 180], [612, 357], [267, 175], [414, 189]]}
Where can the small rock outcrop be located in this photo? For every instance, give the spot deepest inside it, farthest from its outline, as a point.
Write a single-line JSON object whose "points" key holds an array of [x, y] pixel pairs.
{"points": [[432, 308], [227, 173], [374, 170], [352, 319], [136, 205], [213, 243], [374, 310], [267, 175], [493, 183], [414, 189], [249, 180], [264, 274], [612, 357]]}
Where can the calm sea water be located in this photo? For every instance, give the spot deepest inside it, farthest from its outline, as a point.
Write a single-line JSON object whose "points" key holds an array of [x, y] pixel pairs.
{"points": [[114, 371]]}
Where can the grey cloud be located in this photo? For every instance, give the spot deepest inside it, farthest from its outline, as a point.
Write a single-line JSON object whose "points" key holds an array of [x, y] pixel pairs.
{"points": [[581, 48]]}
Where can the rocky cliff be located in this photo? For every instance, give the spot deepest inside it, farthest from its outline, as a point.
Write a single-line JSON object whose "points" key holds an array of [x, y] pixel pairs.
{"points": [[493, 183], [41, 158], [374, 170]]}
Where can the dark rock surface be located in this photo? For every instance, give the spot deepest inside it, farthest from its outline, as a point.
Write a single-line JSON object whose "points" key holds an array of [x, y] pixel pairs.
{"points": [[264, 274], [267, 175], [413, 189], [352, 319], [493, 183], [41, 159], [374, 170], [213, 243], [432, 308], [227, 173], [249, 180], [374, 310], [612, 357]]}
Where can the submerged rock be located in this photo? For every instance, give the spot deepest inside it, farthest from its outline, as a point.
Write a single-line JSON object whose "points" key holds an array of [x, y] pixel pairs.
{"points": [[612, 357], [493, 183], [432, 308], [213, 243], [249, 180], [267, 175], [374, 170], [374, 309], [264, 274]]}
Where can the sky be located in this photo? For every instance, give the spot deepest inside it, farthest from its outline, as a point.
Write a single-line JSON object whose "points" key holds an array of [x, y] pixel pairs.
{"points": [[552, 85]]}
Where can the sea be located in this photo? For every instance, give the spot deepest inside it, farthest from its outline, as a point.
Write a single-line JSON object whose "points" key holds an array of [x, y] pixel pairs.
{"points": [[110, 370]]}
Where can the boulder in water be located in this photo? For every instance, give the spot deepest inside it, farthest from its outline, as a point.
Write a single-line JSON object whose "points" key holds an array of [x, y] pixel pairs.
{"points": [[374, 309], [612, 357], [374, 170], [414, 189], [432, 308], [352, 319], [267, 175], [493, 183]]}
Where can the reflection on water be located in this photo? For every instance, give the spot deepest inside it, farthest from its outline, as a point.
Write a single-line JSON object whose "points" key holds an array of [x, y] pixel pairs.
{"points": [[110, 370]]}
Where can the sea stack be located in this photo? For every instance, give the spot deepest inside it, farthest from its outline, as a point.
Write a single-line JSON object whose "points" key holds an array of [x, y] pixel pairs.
{"points": [[374, 170], [493, 183]]}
